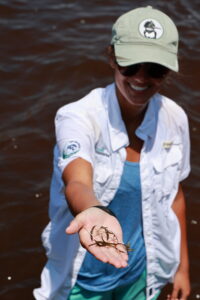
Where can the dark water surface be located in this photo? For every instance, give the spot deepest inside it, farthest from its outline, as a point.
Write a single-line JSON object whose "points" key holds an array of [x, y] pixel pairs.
{"points": [[52, 53]]}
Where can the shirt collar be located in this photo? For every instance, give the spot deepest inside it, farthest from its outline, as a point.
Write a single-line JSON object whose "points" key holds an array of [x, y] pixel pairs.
{"points": [[116, 126], [148, 127]]}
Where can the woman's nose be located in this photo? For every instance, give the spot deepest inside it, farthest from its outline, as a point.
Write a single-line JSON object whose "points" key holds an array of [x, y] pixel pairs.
{"points": [[142, 74]]}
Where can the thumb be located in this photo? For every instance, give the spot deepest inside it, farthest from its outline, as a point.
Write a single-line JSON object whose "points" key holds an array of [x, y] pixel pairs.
{"points": [[74, 226]]}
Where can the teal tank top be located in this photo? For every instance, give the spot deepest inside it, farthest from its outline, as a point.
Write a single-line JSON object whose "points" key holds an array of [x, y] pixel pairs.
{"points": [[95, 275]]}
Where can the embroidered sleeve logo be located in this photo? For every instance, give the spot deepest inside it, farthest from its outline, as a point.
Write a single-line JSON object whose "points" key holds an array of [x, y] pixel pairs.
{"points": [[70, 148]]}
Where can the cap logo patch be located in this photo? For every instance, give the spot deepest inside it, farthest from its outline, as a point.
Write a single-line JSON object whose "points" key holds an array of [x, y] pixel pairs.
{"points": [[70, 148], [151, 29]]}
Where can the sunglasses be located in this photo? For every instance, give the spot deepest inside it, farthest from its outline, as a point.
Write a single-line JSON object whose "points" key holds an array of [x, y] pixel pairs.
{"points": [[153, 70]]}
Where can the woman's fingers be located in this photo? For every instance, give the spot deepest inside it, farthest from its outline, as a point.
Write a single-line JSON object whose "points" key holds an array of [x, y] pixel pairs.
{"points": [[108, 255]]}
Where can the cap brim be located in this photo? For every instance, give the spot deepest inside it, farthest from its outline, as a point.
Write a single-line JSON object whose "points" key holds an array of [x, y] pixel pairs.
{"points": [[133, 54]]}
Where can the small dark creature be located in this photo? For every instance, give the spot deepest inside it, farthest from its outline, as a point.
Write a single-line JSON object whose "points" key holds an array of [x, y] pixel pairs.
{"points": [[102, 237]]}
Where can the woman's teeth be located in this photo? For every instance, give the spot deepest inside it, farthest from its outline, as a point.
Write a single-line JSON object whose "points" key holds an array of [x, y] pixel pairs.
{"points": [[138, 88]]}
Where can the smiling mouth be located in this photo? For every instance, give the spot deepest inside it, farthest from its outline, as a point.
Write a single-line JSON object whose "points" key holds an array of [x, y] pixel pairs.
{"points": [[138, 88]]}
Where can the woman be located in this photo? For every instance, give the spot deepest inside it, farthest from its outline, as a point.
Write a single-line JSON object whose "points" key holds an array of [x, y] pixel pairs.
{"points": [[120, 156]]}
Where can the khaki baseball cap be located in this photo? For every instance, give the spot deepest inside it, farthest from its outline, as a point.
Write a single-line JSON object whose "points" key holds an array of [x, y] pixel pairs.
{"points": [[145, 35]]}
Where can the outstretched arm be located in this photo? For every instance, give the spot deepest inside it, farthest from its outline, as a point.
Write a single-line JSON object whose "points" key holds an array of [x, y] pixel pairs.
{"points": [[77, 177], [181, 284]]}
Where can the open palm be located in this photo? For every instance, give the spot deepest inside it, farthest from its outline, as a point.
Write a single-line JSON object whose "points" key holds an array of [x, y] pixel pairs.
{"points": [[101, 234]]}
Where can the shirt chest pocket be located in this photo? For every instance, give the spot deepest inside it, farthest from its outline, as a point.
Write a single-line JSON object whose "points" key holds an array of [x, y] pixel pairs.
{"points": [[167, 167], [102, 170]]}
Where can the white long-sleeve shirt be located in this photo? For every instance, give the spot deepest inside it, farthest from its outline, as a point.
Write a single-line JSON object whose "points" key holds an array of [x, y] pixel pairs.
{"points": [[92, 128]]}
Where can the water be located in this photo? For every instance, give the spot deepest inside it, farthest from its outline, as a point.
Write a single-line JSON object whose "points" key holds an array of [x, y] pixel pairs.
{"points": [[52, 53]]}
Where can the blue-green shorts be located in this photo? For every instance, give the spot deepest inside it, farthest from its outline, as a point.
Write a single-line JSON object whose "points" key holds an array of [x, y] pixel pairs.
{"points": [[135, 291]]}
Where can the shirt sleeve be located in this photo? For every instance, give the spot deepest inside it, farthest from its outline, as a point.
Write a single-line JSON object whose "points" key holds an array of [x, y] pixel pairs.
{"points": [[185, 164], [74, 136]]}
